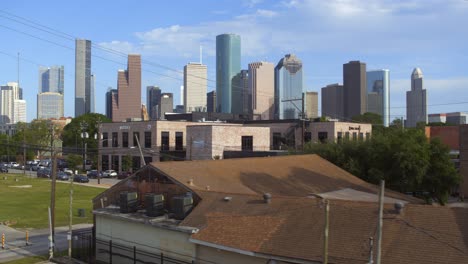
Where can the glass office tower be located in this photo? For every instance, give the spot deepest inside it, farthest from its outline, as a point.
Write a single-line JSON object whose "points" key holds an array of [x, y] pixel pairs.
{"points": [[228, 65], [378, 94], [288, 86]]}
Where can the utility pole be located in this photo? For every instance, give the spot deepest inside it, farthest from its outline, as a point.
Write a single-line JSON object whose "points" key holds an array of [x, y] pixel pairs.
{"points": [[24, 151], [70, 224], [99, 140], [84, 136], [380, 223], [141, 152], [325, 233], [53, 182]]}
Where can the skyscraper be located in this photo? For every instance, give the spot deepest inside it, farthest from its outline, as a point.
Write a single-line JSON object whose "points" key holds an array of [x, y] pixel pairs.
{"points": [[416, 100], [153, 99], [288, 86], [311, 104], [127, 103], [378, 94], [228, 65], [181, 95], [50, 95], [195, 86], [333, 101], [111, 93], [355, 92], [211, 102], [262, 88], [166, 105], [82, 77], [241, 95], [10, 104]]}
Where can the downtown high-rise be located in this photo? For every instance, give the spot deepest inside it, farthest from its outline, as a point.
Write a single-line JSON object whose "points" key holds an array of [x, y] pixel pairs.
{"points": [[153, 100], [12, 108], [288, 87], [262, 89], [126, 104], [333, 101], [416, 100], [378, 94], [228, 66], [51, 92], [355, 89], [83, 77], [195, 87]]}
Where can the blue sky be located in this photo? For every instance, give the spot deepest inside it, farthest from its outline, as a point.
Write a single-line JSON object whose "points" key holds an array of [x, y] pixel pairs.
{"points": [[395, 35]]}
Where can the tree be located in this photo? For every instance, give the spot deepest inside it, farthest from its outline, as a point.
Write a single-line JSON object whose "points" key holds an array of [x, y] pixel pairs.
{"points": [[441, 175], [71, 135], [74, 161], [127, 163], [370, 118], [405, 159], [37, 136]]}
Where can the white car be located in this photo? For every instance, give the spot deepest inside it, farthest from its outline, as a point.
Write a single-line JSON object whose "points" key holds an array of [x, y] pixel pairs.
{"points": [[109, 173]]}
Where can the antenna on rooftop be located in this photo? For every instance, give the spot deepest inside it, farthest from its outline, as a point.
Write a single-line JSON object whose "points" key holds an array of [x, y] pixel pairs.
{"points": [[18, 71]]}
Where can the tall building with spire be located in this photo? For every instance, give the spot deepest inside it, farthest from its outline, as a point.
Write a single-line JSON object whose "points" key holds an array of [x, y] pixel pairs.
{"points": [[228, 66], [288, 86], [416, 100], [127, 102], [82, 77]]}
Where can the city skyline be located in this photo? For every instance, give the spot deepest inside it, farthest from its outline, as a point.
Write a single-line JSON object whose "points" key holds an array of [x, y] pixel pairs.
{"points": [[171, 41]]}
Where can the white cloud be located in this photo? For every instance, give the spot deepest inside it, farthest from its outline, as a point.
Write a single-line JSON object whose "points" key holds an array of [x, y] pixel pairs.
{"points": [[266, 13]]}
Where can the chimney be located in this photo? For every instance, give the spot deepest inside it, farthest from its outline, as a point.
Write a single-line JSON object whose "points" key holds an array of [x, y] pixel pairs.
{"points": [[399, 207], [267, 197]]}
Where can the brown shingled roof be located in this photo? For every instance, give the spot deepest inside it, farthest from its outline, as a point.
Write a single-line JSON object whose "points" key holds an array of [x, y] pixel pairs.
{"points": [[293, 227], [293, 175]]}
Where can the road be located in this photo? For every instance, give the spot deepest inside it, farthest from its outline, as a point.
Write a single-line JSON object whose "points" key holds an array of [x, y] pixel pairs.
{"points": [[16, 247], [105, 182]]}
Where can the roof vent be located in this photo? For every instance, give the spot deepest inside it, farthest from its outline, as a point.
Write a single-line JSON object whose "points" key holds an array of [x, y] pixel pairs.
{"points": [[190, 182], [267, 197], [207, 187], [399, 207], [227, 198]]}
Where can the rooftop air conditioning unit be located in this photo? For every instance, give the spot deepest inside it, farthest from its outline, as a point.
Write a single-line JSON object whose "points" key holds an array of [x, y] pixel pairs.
{"points": [[154, 204], [181, 206], [128, 202]]}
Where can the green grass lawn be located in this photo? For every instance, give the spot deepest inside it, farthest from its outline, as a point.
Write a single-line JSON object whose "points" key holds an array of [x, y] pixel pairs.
{"points": [[27, 207]]}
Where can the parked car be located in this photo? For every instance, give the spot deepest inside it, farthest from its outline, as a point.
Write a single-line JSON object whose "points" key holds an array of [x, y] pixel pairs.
{"points": [[93, 174], [62, 176], [123, 175], [3, 169], [80, 178], [13, 165], [68, 171], [109, 173], [43, 173]]}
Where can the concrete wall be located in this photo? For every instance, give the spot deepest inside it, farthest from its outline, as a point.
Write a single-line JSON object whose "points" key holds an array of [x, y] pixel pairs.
{"points": [[333, 128], [145, 237], [210, 141]]}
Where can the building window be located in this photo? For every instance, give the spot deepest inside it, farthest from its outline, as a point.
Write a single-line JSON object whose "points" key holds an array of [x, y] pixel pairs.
{"points": [[115, 163], [125, 139], [323, 136], [307, 136], [361, 136], [148, 139], [136, 135], [367, 135], [179, 141], [347, 135], [354, 135], [276, 141], [115, 139], [247, 143], [105, 162], [339, 137], [136, 163], [105, 138], [164, 140]]}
